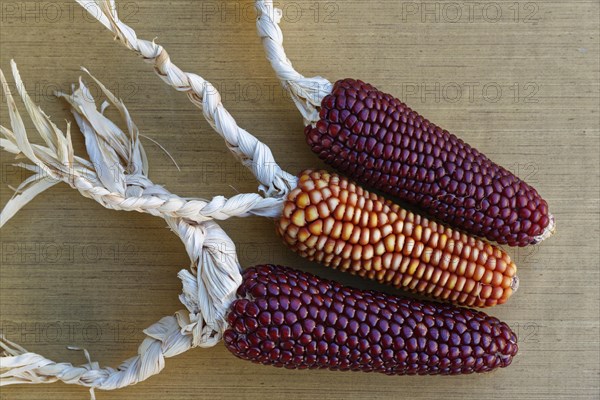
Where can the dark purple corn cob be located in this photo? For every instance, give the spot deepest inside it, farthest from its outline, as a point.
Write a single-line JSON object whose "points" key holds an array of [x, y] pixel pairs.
{"points": [[292, 319], [379, 141]]}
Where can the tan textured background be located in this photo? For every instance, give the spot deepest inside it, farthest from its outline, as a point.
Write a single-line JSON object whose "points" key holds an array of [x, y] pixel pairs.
{"points": [[74, 273]]}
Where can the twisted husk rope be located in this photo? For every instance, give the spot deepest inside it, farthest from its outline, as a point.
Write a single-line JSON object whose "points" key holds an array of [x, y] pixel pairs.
{"points": [[209, 285]]}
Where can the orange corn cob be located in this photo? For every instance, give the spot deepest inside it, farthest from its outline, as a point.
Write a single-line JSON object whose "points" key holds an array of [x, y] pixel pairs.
{"points": [[339, 224]]}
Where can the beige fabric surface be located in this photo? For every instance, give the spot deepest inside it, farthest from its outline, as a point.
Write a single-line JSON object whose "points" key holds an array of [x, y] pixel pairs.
{"points": [[522, 87]]}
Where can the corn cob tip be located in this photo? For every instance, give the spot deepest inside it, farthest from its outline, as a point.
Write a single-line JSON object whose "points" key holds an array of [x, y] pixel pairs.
{"points": [[548, 231], [515, 284]]}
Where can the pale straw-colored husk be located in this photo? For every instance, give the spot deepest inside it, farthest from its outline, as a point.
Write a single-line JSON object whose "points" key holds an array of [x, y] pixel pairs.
{"points": [[209, 285], [307, 93]]}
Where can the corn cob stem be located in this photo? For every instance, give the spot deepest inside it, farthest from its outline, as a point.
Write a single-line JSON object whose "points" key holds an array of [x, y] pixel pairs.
{"points": [[306, 93], [296, 320], [335, 222]]}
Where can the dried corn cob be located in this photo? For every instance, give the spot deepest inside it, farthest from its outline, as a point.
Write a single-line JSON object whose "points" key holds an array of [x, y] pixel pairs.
{"points": [[379, 141], [331, 220], [292, 319]]}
